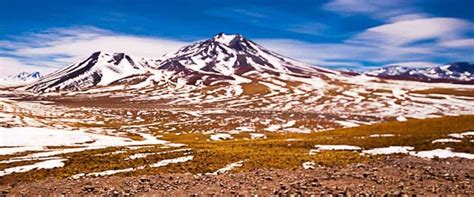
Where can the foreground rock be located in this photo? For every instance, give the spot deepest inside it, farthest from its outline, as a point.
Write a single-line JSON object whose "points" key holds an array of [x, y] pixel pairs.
{"points": [[393, 175]]}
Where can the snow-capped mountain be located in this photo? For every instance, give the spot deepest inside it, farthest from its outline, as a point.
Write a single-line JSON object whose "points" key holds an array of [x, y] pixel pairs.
{"points": [[99, 69], [231, 55], [228, 60], [227, 57], [457, 72], [223, 58], [19, 79], [230, 72]]}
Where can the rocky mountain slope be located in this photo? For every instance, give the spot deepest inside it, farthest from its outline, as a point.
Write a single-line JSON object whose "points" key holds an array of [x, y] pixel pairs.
{"points": [[97, 70], [232, 72], [223, 58]]}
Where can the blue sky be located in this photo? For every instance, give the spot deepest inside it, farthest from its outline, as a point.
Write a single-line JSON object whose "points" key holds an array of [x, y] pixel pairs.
{"points": [[343, 34]]}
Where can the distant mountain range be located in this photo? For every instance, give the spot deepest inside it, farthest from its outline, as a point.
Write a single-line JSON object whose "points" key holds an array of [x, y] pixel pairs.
{"points": [[223, 59], [457, 72], [233, 72], [22, 78]]}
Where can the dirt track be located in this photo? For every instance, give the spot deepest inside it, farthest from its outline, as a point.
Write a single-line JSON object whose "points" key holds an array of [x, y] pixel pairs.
{"points": [[395, 175]]}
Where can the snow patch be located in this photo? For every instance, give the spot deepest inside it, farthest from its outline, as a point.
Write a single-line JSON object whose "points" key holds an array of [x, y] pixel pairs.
{"points": [[49, 164], [461, 135], [401, 119], [320, 148], [309, 165], [30, 138], [441, 153], [228, 167], [257, 136], [221, 136], [346, 124], [273, 128], [446, 140], [172, 161], [382, 135], [389, 150], [161, 163]]}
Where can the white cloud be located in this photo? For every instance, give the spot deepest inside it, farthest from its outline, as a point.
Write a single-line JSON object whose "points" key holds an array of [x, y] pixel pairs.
{"points": [[331, 54], [418, 42], [410, 31], [62, 46], [312, 52], [408, 17], [353, 6], [377, 9], [308, 28], [399, 41], [11, 66], [136, 46], [459, 43]]}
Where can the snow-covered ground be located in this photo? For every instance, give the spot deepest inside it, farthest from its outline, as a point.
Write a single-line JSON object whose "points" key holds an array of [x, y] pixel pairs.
{"points": [[228, 167], [319, 148], [21, 139], [257, 136], [48, 164], [440, 153], [49, 144], [461, 135], [445, 140], [389, 150], [221, 136], [309, 165], [161, 163], [213, 88]]}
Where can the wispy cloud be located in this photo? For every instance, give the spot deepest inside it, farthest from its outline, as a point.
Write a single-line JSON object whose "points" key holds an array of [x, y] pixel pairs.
{"points": [[409, 40], [308, 28], [410, 31], [314, 52], [271, 18], [419, 42], [248, 13], [338, 55], [408, 17], [459, 43], [378, 9], [12, 66], [55, 48]]}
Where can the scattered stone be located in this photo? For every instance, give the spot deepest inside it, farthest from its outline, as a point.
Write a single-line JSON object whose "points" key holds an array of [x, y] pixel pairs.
{"points": [[392, 176], [88, 189]]}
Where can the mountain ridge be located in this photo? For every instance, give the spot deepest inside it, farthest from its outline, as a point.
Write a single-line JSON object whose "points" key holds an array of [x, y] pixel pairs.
{"points": [[98, 69], [455, 72], [19, 79], [222, 58]]}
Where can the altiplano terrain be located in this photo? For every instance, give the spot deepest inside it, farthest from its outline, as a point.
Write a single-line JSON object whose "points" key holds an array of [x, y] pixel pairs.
{"points": [[232, 117]]}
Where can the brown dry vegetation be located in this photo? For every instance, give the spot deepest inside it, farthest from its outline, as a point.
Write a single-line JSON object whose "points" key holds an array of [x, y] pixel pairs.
{"points": [[255, 89], [456, 92], [275, 152]]}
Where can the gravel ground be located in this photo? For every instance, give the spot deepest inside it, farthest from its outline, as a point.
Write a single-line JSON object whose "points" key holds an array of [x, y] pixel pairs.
{"points": [[393, 176]]}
